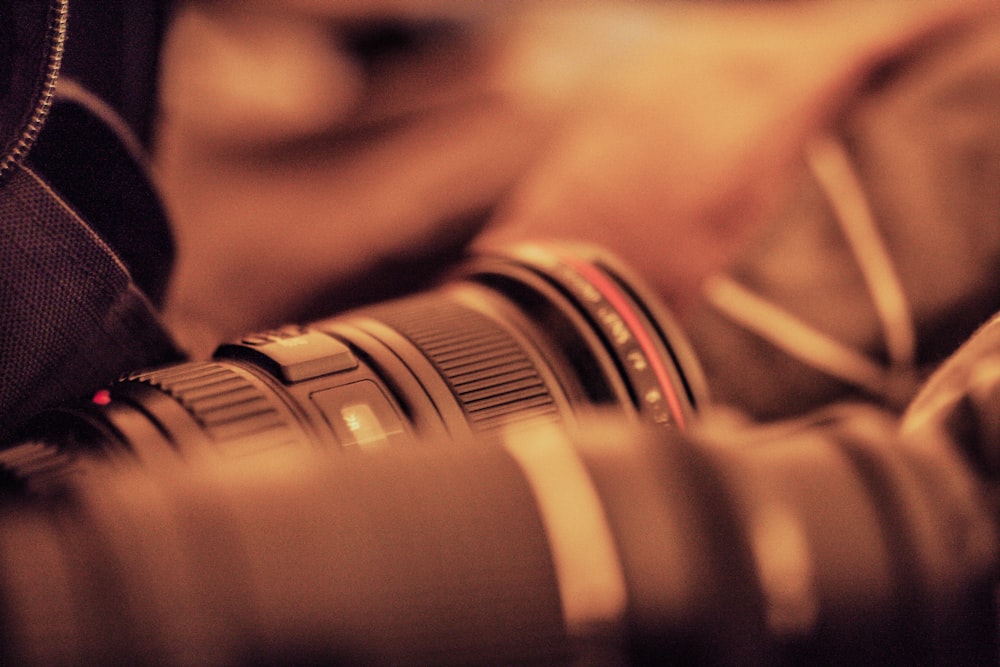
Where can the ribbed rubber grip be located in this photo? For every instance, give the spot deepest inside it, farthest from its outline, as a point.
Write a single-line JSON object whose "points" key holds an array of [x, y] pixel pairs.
{"points": [[225, 403], [489, 372]]}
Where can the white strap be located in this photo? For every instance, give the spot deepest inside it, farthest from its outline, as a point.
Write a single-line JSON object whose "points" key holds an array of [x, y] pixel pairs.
{"points": [[832, 168], [797, 338]]}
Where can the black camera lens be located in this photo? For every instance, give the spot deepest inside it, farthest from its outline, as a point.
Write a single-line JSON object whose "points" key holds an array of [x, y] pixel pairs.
{"points": [[541, 331], [582, 538]]}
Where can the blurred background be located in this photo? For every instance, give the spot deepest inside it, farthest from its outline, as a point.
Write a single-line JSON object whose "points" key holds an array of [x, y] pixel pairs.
{"points": [[317, 155], [812, 187]]}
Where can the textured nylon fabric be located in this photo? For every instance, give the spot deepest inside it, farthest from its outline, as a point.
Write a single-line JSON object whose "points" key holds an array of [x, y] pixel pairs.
{"points": [[90, 155], [71, 318], [84, 241]]}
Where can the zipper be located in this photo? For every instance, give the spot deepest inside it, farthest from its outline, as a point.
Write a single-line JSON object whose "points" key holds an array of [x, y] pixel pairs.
{"points": [[57, 27]]}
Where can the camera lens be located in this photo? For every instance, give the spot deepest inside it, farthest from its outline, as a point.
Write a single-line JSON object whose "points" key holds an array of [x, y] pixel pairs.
{"points": [[538, 331], [581, 539]]}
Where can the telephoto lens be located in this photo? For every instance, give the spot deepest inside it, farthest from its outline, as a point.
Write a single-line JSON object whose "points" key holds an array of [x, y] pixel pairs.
{"points": [[602, 542], [515, 468], [538, 332], [135, 552]]}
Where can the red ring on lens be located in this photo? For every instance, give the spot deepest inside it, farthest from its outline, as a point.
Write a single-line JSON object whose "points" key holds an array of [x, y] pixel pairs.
{"points": [[610, 292]]}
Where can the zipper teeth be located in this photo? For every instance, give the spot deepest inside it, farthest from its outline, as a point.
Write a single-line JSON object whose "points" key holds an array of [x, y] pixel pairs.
{"points": [[56, 43]]}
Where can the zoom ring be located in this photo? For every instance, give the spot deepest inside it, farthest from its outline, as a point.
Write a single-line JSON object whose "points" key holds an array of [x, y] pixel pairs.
{"points": [[226, 404], [490, 374]]}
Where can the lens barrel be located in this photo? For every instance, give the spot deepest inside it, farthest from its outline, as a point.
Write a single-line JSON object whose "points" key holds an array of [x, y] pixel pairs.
{"points": [[830, 542], [565, 513], [539, 332]]}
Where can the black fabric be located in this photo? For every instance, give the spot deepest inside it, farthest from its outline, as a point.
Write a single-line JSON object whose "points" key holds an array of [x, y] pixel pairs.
{"points": [[72, 318], [91, 157], [84, 241], [113, 50], [25, 47], [959, 403]]}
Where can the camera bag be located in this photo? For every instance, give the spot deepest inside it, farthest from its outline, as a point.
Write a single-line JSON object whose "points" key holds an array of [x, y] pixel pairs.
{"points": [[84, 243]]}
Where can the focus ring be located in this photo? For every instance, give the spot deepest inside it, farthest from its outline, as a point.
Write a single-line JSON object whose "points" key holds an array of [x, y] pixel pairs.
{"points": [[488, 371], [224, 402]]}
